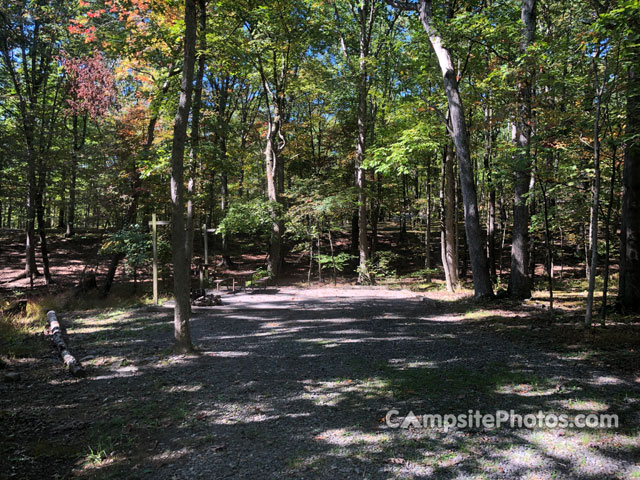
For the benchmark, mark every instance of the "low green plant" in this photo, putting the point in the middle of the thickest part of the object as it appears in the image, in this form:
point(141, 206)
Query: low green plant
point(383, 263)
point(339, 261)
point(252, 218)
point(99, 454)
point(259, 274)
point(424, 274)
point(136, 246)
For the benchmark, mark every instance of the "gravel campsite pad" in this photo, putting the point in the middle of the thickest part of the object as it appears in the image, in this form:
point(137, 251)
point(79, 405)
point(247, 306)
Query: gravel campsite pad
point(295, 383)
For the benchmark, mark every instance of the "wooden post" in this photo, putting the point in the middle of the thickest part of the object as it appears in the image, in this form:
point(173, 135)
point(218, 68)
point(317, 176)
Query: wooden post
point(206, 244)
point(154, 228)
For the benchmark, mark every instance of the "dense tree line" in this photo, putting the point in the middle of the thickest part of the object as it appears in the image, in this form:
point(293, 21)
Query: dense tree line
point(490, 122)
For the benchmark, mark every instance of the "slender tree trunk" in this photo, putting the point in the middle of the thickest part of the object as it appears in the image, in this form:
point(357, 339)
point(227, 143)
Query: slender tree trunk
point(30, 253)
point(532, 237)
point(595, 206)
point(42, 227)
point(181, 280)
point(491, 210)
point(629, 290)
point(333, 259)
point(519, 281)
point(549, 248)
point(450, 248)
point(403, 216)
point(375, 214)
point(194, 151)
point(475, 235)
point(71, 213)
point(319, 262)
point(63, 203)
point(607, 234)
point(364, 277)
point(225, 260)
point(427, 233)
point(447, 221)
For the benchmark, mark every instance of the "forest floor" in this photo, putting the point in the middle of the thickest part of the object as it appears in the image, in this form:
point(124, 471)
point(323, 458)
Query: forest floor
point(295, 383)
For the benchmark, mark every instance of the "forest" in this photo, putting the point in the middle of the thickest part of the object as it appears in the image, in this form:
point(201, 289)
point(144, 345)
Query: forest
point(483, 155)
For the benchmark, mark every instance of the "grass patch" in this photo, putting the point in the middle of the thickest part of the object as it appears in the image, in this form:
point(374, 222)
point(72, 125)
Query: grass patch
point(18, 337)
point(19, 331)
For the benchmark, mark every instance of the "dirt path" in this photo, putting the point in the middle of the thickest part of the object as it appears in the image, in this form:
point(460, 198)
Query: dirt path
point(296, 383)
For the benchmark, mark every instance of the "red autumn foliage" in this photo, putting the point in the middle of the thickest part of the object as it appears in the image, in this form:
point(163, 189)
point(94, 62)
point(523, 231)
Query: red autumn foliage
point(90, 84)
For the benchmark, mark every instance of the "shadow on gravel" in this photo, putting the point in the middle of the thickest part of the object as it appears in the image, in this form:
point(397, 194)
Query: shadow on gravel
point(289, 386)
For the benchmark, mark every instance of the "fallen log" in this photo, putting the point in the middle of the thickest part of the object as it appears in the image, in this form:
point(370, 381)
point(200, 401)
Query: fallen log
point(56, 337)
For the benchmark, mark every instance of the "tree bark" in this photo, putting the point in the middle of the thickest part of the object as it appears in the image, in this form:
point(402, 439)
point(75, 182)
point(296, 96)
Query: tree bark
point(607, 233)
point(459, 133)
point(194, 150)
point(447, 232)
point(181, 280)
point(58, 341)
point(364, 277)
point(427, 232)
point(273, 159)
point(629, 289)
point(519, 281)
point(42, 228)
point(595, 189)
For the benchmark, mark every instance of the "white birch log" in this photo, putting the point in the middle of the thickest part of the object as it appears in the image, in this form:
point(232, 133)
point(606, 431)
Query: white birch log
point(56, 337)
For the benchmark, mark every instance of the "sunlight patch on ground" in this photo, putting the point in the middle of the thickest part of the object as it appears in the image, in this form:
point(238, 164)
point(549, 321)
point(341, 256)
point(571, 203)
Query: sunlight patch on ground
point(582, 451)
point(332, 393)
point(346, 437)
point(606, 380)
point(588, 405)
point(227, 354)
point(523, 457)
point(181, 388)
point(525, 390)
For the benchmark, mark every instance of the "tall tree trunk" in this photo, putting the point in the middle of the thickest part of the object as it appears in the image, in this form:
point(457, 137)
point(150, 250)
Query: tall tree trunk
point(375, 215)
point(403, 215)
point(30, 251)
point(71, 206)
point(549, 248)
point(225, 260)
point(63, 203)
point(607, 232)
point(194, 150)
point(364, 277)
point(595, 189)
point(519, 281)
point(489, 138)
point(475, 235)
point(629, 289)
point(427, 232)
point(273, 158)
point(448, 214)
point(181, 280)
point(42, 227)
